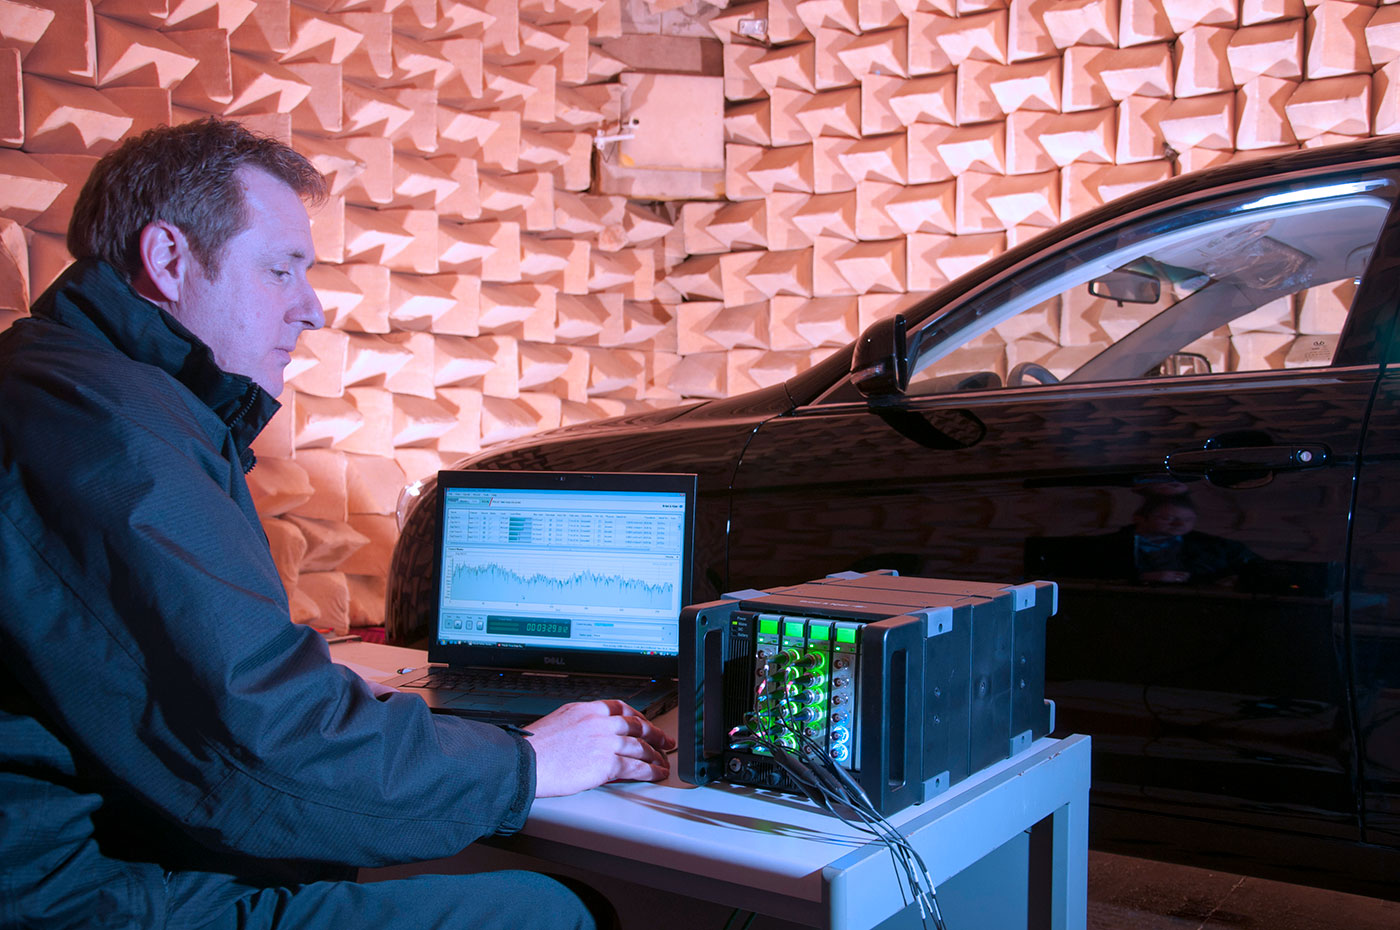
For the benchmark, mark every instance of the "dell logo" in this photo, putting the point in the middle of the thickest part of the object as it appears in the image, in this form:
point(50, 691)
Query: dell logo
point(553, 660)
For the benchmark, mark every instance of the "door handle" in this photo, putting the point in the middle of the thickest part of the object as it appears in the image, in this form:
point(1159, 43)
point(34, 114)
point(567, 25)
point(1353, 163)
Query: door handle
point(1217, 461)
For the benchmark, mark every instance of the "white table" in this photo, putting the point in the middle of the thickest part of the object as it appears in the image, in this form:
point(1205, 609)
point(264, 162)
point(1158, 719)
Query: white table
point(1007, 847)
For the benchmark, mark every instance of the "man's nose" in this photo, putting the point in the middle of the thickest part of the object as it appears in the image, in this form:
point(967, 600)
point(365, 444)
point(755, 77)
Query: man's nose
point(309, 309)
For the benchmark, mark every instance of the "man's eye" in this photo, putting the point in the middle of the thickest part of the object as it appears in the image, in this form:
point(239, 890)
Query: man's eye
point(281, 273)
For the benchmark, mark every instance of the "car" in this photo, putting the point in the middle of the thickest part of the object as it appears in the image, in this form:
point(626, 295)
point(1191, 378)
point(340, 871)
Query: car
point(1205, 457)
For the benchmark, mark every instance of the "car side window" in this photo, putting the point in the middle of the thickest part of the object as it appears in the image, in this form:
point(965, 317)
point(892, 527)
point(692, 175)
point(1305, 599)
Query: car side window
point(1249, 283)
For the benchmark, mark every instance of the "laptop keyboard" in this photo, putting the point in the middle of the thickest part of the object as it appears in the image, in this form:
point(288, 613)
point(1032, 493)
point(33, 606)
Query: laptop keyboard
point(487, 682)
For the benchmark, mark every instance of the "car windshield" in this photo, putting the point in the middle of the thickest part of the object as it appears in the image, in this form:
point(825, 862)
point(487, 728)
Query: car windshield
point(1192, 292)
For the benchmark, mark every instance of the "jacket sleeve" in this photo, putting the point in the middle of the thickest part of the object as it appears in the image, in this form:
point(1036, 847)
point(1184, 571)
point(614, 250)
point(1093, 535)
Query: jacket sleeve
point(144, 614)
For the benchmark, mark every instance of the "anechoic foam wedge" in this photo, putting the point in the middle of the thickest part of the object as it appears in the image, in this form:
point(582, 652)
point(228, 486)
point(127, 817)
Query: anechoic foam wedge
point(1187, 14)
point(921, 207)
point(464, 437)
point(830, 71)
point(935, 259)
point(1139, 129)
point(881, 52)
point(788, 273)
point(925, 55)
point(24, 24)
point(781, 231)
point(372, 357)
point(1203, 65)
point(740, 83)
point(829, 174)
point(371, 313)
point(986, 203)
point(131, 55)
point(873, 266)
point(1094, 76)
point(319, 360)
point(832, 113)
point(739, 225)
point(786, 168)
point(1262, 120)
point(1200, 122)
point(828, 215)
point(1267, 50)
point(1339, 105)
point(323, 421)
point(925, 100)
point(749, 122)
point(1082, 22)
point(878, 158)
point(830, 14)
point(72, 171)
point(939, 153)
point(14, 267)
point(1336, 42)
point(458, 359)
point(278, 485)
point(784, 127)
point(1386, 95)
point(68, 53)
point(1143, 21)
point(420, 420)
point(1084, 187)
point(415, 377)
point(595, 319)
point(699, 375)
point(61, 117)
point(792, 67)
point(981, 36)
point(329, 542)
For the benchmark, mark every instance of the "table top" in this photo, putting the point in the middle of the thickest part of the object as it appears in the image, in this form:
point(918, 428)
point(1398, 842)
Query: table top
point(772, 842)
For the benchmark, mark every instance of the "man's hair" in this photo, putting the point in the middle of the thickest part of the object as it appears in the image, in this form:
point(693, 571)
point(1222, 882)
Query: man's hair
point(187, 176)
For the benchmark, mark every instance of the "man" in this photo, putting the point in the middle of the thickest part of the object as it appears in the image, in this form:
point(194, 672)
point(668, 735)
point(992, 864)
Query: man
point(173, 750)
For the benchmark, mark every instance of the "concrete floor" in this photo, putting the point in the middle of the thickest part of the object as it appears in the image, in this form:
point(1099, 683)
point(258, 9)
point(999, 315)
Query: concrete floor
point(1125, 893)
point(1139, 894)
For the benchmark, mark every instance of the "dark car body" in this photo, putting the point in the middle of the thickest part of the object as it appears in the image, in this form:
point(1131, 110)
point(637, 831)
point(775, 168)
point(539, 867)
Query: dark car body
point(1245, 703)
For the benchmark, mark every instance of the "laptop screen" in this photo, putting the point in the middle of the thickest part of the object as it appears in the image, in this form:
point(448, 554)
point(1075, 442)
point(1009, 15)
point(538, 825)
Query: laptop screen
point(556, 568)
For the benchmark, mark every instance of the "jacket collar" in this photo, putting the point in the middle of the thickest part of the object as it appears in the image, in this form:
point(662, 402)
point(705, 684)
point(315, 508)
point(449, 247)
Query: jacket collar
point(93, 297)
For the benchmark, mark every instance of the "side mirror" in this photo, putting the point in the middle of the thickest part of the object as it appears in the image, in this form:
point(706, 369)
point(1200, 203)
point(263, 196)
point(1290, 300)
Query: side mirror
point(880, 363)
point(1127, 287)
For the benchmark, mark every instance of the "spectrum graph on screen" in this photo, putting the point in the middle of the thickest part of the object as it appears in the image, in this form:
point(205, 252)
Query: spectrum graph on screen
point(582, 587)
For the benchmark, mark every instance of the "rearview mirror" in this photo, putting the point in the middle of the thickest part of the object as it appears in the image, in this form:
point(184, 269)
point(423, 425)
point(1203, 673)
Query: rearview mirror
point(1127, 287)
point(1182, 363)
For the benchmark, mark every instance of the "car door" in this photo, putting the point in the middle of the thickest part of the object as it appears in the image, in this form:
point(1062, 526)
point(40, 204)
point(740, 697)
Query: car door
point(1164, 415)
point(1374, 594)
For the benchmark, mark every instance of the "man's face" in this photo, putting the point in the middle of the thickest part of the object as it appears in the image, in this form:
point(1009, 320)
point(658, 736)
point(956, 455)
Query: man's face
point(1168, 520)
point(251, 313)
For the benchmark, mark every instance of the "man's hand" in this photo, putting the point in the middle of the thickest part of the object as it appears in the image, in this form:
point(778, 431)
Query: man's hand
point(580, 746)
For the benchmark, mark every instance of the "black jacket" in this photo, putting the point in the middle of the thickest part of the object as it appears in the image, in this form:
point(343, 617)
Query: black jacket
point(158, 710)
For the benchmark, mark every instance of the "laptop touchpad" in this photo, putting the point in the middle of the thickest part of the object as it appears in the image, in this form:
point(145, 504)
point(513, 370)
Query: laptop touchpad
point(517, 704)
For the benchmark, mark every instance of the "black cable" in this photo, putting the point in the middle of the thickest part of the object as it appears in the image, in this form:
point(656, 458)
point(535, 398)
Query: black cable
point(747, 920)
point(825, 779)
point(858, 801)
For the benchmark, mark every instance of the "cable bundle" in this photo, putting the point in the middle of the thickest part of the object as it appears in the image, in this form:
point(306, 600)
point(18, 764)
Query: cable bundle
point(828, 785)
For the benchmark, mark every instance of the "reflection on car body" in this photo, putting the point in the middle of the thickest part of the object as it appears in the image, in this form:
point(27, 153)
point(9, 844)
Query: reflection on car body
point(1229, 333)
point(1160, 546)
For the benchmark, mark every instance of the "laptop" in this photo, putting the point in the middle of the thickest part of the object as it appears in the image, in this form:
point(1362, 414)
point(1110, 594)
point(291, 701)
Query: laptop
point(552, 587)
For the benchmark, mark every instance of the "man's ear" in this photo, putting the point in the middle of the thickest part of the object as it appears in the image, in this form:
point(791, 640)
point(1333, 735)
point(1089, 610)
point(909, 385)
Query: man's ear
point(166, 262)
